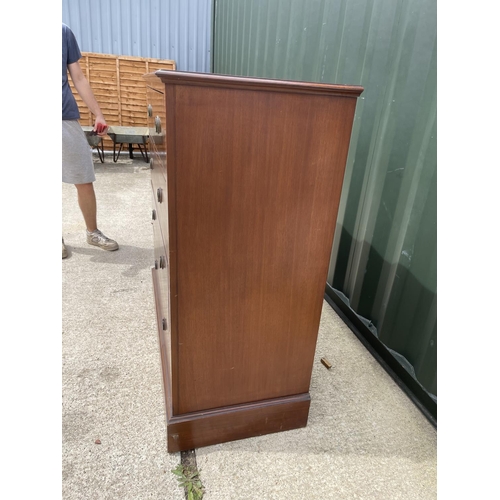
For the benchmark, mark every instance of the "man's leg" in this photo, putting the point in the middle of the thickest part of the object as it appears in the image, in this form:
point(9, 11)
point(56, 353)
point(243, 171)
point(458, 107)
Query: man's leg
point(88, 205)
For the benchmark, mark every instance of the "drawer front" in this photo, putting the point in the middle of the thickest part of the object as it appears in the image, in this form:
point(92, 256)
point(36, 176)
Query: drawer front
point(161, 278)
point(160, 204)
point(158, 166)
point(162, 268)
point(164, 328)
point(156, 119)
point(161, 257)
point(161, 247)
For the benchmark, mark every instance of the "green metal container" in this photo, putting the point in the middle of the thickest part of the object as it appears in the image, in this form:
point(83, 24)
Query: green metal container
point(383, 262)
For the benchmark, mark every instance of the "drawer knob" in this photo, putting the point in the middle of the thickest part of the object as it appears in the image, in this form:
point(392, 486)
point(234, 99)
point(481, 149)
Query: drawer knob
point(159, 194)
point(156, 264)
point(153, 214)
point(150, 110)
point(158, 125)
point(151, 163)
point(164, 323)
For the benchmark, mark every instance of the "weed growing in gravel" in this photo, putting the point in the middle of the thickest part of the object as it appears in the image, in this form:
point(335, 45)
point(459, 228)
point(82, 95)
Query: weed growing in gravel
point(189, 479)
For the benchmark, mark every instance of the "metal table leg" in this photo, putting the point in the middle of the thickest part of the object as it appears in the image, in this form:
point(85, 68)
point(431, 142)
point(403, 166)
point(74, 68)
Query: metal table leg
point(115, 157)
point(100, 151)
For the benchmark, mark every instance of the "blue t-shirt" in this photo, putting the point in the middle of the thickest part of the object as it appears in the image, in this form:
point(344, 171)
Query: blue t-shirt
point(70, 54)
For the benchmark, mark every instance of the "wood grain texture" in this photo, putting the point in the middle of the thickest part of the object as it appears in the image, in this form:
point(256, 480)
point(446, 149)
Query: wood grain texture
point(254, 172)
point(230, 424)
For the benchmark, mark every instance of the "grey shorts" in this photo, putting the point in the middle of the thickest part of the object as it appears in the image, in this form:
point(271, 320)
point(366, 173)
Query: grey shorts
point(77, 162)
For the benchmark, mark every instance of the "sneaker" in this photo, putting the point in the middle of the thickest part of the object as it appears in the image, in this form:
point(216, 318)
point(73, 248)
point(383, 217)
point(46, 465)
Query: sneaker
point(64, 250)
point(100, 240)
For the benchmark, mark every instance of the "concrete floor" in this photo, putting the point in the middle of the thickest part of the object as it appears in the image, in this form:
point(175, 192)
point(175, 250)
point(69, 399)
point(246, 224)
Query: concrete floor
point(364, 440)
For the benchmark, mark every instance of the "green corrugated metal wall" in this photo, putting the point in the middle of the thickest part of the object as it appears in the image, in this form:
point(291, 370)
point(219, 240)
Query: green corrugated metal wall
point(384, 254)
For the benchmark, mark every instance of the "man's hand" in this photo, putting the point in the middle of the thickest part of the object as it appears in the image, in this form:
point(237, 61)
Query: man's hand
point(100, 126)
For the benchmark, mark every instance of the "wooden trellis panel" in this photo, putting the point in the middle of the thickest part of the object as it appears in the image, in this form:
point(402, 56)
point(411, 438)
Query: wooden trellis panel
point(119, 87)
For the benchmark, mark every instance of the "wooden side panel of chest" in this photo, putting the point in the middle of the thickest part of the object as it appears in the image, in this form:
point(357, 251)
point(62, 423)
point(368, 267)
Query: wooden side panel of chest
point(250, 172)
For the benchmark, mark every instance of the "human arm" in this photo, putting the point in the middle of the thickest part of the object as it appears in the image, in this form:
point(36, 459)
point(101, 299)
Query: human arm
point(85, 91)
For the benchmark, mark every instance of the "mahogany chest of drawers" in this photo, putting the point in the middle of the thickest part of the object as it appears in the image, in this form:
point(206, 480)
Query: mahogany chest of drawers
point(246, 176)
